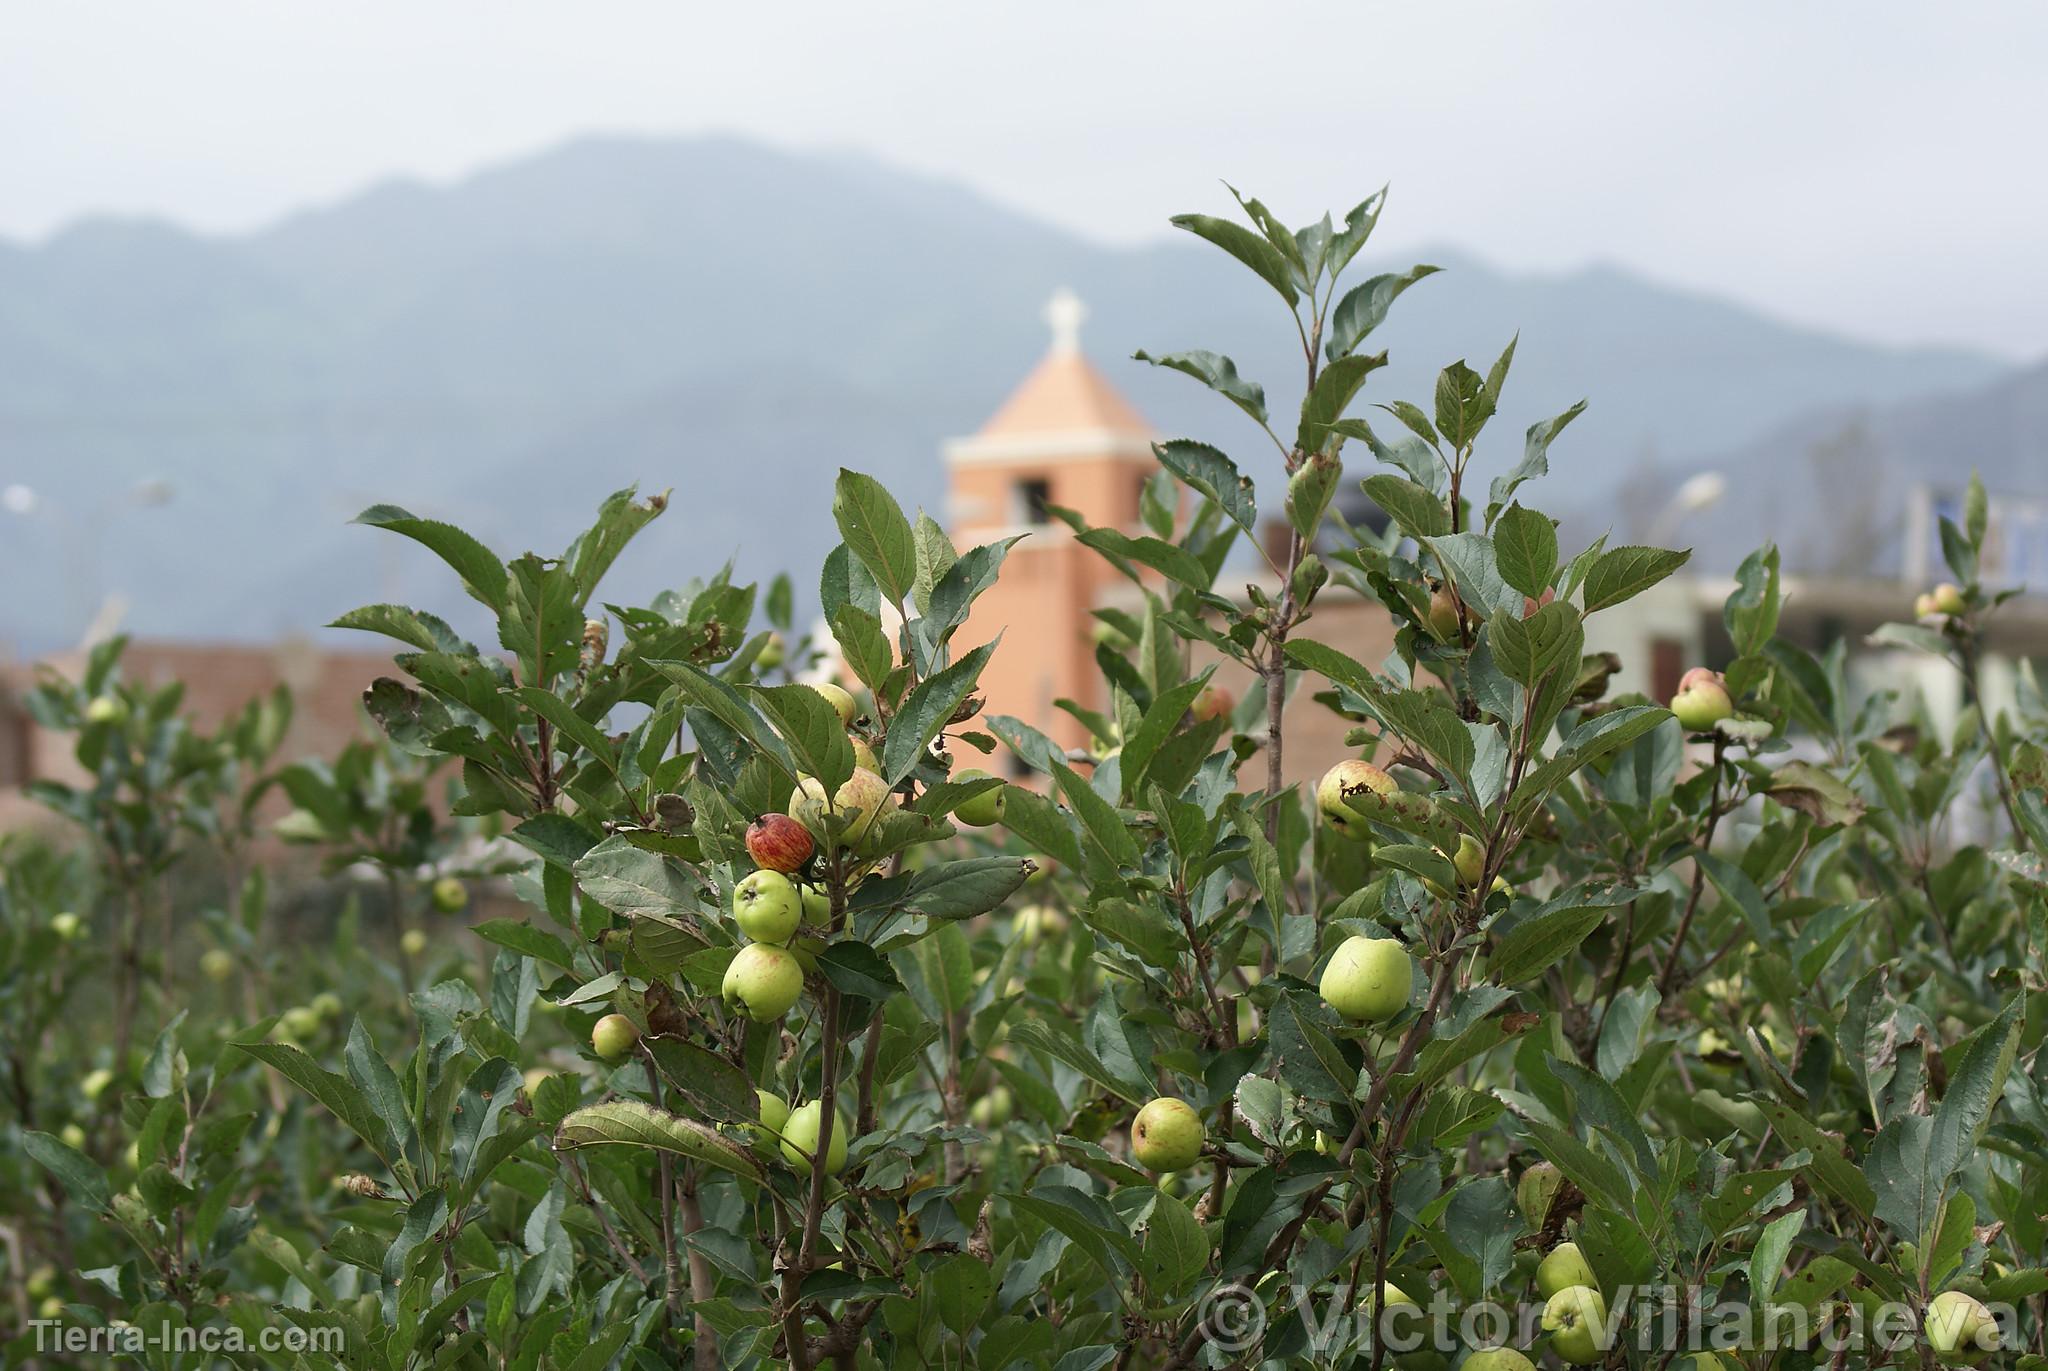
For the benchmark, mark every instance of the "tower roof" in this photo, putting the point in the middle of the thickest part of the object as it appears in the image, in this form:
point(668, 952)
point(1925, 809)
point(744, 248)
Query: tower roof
point(1064, 394)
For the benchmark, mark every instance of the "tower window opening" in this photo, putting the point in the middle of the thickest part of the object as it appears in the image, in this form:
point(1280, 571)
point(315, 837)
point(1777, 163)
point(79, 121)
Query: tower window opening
point(1034, 501)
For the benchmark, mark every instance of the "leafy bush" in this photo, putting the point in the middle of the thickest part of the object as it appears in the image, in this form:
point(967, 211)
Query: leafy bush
point(1540, 997)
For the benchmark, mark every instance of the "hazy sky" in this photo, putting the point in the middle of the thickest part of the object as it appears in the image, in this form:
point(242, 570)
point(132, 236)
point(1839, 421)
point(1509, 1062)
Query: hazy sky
point(1872, 167)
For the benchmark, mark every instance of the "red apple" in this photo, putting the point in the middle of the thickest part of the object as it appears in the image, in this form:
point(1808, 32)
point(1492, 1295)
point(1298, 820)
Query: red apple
point(1213, 703)
point(777, 842)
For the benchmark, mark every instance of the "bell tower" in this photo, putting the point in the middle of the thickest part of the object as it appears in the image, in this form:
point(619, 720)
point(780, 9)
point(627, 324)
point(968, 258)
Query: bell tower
point(1063, 437)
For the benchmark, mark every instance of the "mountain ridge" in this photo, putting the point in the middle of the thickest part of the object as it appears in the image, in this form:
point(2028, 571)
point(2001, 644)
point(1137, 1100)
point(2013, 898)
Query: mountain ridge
point(724, 317)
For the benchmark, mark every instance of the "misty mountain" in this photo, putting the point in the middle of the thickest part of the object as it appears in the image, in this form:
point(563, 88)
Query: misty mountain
point(1833, 487)
point(727, 319)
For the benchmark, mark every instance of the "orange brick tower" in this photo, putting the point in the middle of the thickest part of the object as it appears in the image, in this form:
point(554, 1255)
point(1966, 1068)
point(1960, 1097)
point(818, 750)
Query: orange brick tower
point(1064, 437)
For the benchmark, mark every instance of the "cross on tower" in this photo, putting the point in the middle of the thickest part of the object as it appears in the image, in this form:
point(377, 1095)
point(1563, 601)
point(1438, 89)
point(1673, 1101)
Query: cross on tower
point(1064, 315)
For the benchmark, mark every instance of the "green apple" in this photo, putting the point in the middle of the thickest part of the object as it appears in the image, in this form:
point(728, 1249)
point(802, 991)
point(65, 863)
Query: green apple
point(95, 1082)
point(980, 811)
point(1959, 1327)
point(772, 653)
point(1576, 1319)
point(1562, 1268)
point(72, 1136)
point(1037, 921)
point(216, 964)
point(105, 709)
point(1947, 599)
point(862, 802)
point(1498, 1359)
point(1350, 777)
point(532, 1078)
point(327, 1004)
point(1923, 607)
point(863, 755)
point(1535, 1190)
point(1166, 1135)
point(1443, 614)
point(774, 1117)
point(1702, 700)
point(451, 896)
point(613, 1036)
point(841, 702)
point(767, 907)
point(1390, 1295)
point(1470, 861)
point(66, 925)
point(412, 942)
point(301, 1021)
point(763, 981)
point(800, 1138)
point(1368, 980)
point(992, 1110)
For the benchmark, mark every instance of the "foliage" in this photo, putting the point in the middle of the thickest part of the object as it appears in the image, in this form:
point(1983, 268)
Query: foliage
point(1776, 1033)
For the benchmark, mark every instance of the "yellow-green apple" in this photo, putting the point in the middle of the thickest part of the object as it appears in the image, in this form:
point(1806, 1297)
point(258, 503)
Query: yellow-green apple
point(1443, 613)
point(450, 895)
point(766, 906)
point(105, 709)
point(1702, 700)
point(983, 809)
point(1368, 980)
point(613, 1036)
point(1959, 1327)
point(863, 755)
point(1343, 781)
point(1037, 921)
point(800, 1138)
point(66, 924)
point(777, 842)
point(840, 701)
point(1166, 1135)
point(412, 942)
point(772, 652)
point(763, 981)
point(992, 1110)
point(1562, 1268)
point(774, 1116)
point(1470, 861)
point(217, 964)
point(1576, 1319)
point(861, 801)
point(1947, 599)
point(1498, 1359)
point(1390, 1295)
